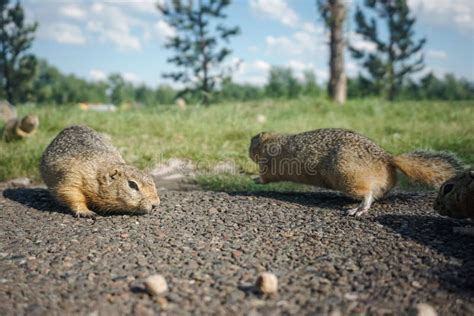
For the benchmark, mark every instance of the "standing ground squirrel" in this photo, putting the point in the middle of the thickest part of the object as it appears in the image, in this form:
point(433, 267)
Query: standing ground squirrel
point(345, 161)
point(84, 171)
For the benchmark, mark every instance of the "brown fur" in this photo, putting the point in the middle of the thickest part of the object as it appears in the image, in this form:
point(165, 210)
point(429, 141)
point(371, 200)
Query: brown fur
point(345, 161)
point(431, 168)
point(85, 172)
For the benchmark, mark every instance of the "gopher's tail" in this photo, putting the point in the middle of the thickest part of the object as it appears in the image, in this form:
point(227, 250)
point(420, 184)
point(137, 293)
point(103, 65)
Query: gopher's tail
point(428, 167)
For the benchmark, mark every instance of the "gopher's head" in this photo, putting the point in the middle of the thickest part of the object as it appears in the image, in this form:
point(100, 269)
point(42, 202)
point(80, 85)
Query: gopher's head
point(29, 123)
point(126, 188)
point(456, 196)
point(256, 145)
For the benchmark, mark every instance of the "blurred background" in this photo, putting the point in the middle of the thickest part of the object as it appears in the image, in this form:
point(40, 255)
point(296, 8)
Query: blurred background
point(194, 80)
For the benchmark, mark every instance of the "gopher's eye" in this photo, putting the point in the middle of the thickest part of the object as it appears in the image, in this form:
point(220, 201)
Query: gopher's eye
point(448, 187)
point(133, 185)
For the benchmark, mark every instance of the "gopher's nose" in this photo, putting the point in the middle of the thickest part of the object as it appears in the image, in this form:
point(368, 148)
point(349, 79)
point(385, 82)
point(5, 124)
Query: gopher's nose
point(155, 205)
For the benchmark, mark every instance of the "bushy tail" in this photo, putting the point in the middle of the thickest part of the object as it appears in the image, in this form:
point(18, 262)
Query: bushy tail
point(428, 167)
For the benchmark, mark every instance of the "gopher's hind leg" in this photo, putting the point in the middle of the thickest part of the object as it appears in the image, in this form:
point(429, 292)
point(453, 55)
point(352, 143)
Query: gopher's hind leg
point(76, 201)
point(363, 207)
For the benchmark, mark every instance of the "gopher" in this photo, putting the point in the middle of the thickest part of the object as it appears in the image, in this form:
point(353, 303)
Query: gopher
point(16, 128)
point(456, 199)
point(85, 172)
point(456, 196)
point(345, 161)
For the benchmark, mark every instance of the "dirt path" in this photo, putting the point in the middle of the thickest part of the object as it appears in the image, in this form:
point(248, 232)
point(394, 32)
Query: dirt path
point(210, 247)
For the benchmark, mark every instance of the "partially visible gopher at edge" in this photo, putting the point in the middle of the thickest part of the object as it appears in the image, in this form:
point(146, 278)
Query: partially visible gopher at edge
point(16, 128)
point(85, 172)
point(456, 196)
point(345, 161)
point(456, 199)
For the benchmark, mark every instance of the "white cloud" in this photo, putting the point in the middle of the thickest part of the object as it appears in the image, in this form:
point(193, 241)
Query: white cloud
point(72, 11)
point(63, 33)
point(322, 76)
point(164, 30)
point(437, 54)
point(298, 44)
point(275, 9)
point(131, 77)
point(281, 42)
point(357, 41)
point(112, 24)
point(100, 75)
point(121, 37)
point(255, 72)
point(299, 68)
point(352, 68)
point(140, 6)
point(312, 28)
point(124, 24)
point(439, 72)
point(261, 65)
point(97, 75)
point(445, 12)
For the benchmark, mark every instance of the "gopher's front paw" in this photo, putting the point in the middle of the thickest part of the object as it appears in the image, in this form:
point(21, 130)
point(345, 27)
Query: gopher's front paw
point(85, 214)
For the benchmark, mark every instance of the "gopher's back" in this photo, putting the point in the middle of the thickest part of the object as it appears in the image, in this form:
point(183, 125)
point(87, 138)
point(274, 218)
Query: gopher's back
point(329, 143)
point(76, 150)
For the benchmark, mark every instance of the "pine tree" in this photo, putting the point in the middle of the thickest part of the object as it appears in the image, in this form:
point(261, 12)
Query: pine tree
point(397, 57)
point(198, 45)
point(333, 13)
point(17, 67)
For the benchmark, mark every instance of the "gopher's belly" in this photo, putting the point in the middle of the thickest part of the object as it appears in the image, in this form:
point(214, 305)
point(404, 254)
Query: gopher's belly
point(304, 172)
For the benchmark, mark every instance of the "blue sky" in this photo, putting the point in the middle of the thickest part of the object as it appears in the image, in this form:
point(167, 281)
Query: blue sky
point(94, 38)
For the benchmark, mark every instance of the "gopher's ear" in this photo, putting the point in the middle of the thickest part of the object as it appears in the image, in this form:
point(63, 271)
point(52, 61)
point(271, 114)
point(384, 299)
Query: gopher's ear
point(263, 136)
point(107, 176)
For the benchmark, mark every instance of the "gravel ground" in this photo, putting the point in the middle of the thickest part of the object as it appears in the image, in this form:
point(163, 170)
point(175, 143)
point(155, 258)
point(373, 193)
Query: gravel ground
point(211, 246)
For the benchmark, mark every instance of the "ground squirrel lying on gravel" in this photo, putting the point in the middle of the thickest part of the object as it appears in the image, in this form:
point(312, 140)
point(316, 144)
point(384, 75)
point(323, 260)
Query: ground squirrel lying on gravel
point(84, 171)
point(343, 160)
point(20, 128)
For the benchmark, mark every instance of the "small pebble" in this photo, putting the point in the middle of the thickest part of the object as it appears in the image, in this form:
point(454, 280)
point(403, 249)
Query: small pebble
point(351, 296)
point(156, 285)
point(267, 283)
point(425, 310)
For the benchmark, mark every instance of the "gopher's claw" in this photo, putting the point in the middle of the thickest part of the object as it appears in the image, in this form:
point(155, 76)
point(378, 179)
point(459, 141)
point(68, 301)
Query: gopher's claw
point(358, 211)
point(86, 214)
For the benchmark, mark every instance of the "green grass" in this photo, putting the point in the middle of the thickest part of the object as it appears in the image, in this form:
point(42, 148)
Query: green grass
point(222, 132)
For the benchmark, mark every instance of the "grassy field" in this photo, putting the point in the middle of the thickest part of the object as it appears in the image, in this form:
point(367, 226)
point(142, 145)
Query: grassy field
point(208, 135)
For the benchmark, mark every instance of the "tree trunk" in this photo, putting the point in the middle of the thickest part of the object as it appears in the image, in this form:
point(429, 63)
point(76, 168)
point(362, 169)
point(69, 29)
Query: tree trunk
point(203, 51)
point(338, 81)
point(6, 74)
